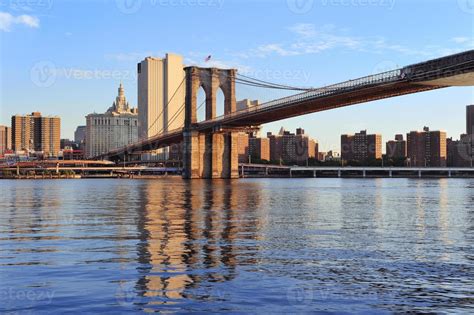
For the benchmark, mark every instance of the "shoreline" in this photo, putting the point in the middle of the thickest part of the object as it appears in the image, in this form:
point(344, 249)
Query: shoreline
point(78, 177)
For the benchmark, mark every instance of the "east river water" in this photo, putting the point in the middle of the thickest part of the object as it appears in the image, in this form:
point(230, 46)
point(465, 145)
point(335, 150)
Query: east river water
point(242, 246)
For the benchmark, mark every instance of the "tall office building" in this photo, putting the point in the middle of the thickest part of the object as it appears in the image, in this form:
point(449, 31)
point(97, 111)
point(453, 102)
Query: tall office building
point(161, 94)
point(5, 139)
point(35, 133)
point(427, 148)
point(361, 147)
point(115, 128)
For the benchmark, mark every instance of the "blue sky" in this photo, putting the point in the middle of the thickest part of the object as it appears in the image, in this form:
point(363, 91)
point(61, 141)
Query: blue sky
point(90, 46)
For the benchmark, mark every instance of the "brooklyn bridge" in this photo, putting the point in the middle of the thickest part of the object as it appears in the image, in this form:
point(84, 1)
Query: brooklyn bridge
point(210, 146)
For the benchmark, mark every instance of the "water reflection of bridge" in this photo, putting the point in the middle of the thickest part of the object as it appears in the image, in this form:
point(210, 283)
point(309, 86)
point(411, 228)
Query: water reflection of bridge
point(197, 227)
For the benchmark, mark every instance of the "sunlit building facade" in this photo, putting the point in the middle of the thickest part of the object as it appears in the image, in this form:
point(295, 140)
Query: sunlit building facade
point(36, 133)
point(115, 128)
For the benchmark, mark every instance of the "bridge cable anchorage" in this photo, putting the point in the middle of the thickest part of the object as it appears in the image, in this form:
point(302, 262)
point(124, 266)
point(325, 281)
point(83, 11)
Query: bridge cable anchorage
point(163, 109)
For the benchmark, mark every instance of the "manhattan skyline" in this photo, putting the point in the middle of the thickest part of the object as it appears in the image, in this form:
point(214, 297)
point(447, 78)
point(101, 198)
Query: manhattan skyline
point(308, 46)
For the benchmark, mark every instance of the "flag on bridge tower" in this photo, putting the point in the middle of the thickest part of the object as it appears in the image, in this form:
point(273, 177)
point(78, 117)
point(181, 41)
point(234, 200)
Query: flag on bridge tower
point(208, 58)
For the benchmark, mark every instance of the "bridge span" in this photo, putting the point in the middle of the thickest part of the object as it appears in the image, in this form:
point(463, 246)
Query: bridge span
point(208, 145)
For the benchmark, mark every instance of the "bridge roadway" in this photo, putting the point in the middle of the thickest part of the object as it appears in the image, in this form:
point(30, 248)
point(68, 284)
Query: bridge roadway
point(454, 70)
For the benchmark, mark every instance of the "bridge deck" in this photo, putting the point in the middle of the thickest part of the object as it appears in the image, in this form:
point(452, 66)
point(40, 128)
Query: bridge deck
point(456, 69)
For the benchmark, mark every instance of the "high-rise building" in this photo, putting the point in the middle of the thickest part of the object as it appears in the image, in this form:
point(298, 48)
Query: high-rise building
point(5, 139)
point(243, 147)
point(291, 148)
point(427, 148)
point(259, 149)
point(470, 120)
point(361, 147)
point(35, 133)
point(470, 128)
point(458, 152)
point(80, 134)
point(115, 128)
point(396, 149)
point(161, 93)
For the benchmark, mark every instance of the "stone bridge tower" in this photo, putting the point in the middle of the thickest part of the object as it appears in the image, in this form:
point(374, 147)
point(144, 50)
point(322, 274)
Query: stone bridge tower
point(209, 154)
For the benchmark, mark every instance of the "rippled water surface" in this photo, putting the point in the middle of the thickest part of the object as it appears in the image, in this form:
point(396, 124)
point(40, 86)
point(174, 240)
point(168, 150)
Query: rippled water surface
point(245, 246)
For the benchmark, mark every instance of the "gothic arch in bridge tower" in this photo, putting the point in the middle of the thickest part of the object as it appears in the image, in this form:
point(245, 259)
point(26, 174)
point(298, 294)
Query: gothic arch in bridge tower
point(211, 154)
point(211, 80)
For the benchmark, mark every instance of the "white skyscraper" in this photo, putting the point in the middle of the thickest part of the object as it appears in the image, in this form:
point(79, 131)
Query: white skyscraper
point(161, 93)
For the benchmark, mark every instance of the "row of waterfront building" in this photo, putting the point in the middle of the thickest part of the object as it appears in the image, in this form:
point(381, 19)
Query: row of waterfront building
point(119, 124)
point(424, 148)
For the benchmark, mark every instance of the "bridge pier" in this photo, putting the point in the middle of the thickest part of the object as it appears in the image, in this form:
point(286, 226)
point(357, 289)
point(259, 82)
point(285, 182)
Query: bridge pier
point(211, 153)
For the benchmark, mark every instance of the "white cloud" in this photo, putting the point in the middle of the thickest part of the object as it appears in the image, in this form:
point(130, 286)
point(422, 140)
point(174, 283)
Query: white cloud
point(7, 21)
point(461, 40)
point(309, 39)
point(304, 29)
